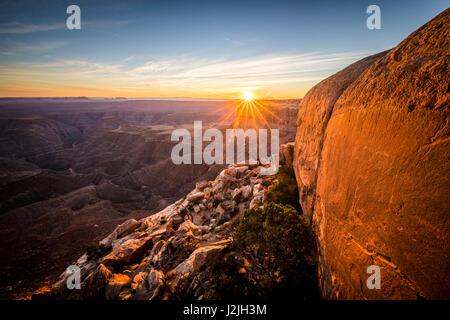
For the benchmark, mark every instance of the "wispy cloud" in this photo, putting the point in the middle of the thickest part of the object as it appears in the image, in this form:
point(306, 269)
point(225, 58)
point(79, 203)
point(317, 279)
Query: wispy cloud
point(14, 47)
point(16, 27)
point(130, 58)
point(59, 69)
point(158, 67)
point(219, 76)
point(284, 65)
point(257, 71)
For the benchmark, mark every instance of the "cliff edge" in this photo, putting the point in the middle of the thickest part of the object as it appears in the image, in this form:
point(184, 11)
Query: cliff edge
point(372, 165)
point(168, 255)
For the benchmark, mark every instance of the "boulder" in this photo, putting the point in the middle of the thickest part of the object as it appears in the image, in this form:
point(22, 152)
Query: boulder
point(140, 277)
point(256, 201)
point(241, 194)
point(201, 185)
point(240, 171)
point(121, 231)
point(130, 251)
point(200, 257)
point(189, 227)
point(148, 284)
point(257, 187)
point(228, 205)
point(217, 187)
point(127, 227)
point(117, 284)
point(118, 242)
point(194, 196)
point(231, 171)
point(93, 287)
point(371, 162)
point(175, 221)
point(220, 209)
point(155, 254)
point(287, 154)
point(223, 217)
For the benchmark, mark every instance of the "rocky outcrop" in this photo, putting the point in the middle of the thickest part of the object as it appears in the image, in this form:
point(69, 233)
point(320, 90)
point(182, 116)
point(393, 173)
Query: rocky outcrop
point(71, 170)
point(371, 161)
point(161, 255)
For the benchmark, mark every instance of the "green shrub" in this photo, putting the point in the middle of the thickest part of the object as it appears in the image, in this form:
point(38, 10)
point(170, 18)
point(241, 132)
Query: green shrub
point(285, 190)
point(276, 257)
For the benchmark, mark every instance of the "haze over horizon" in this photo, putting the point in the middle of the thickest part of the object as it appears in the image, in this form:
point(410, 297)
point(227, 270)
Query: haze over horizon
point(196, 49)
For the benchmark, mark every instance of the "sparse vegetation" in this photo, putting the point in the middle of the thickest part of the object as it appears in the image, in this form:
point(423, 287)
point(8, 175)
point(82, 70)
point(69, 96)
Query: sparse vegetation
point(275, 257)
point(285, 189)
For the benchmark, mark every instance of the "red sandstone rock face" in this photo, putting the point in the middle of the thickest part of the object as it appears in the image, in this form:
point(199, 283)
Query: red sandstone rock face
point(372, 164)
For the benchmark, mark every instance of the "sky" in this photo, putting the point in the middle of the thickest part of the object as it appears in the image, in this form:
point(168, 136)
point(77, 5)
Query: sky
point(199, 49)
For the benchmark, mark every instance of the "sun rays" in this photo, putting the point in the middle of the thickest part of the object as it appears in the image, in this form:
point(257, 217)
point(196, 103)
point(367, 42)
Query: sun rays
point(249, 112)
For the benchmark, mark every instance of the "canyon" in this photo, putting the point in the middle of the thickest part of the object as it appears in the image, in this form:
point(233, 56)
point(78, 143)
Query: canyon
point(169, 254)
point(371, 162)
point(72, 169)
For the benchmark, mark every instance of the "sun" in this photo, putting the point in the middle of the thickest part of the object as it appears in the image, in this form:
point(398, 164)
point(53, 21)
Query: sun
point(248, 96)
point(249, 112)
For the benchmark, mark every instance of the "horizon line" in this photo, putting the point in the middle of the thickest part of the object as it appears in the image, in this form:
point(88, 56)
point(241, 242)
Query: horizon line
point(143, 98)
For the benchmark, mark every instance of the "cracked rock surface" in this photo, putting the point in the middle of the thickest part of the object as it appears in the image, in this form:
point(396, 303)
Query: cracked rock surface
point(371, 162)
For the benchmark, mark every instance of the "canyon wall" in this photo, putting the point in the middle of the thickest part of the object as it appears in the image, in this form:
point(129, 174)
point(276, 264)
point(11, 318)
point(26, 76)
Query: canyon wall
point(372, 165)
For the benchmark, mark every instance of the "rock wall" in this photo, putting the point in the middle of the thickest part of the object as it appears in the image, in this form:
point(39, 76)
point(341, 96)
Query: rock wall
point(372, 165)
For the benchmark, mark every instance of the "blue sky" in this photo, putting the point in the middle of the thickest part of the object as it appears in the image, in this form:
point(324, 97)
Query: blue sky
point(192, 48)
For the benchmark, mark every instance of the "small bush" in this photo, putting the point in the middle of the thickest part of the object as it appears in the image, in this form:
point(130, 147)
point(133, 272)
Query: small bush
point(285, 190)
point(276, 257)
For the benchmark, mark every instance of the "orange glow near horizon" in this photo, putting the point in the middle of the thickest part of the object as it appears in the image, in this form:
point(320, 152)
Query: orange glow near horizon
point(48, 88)
point(10, 90)
point(249, 112)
